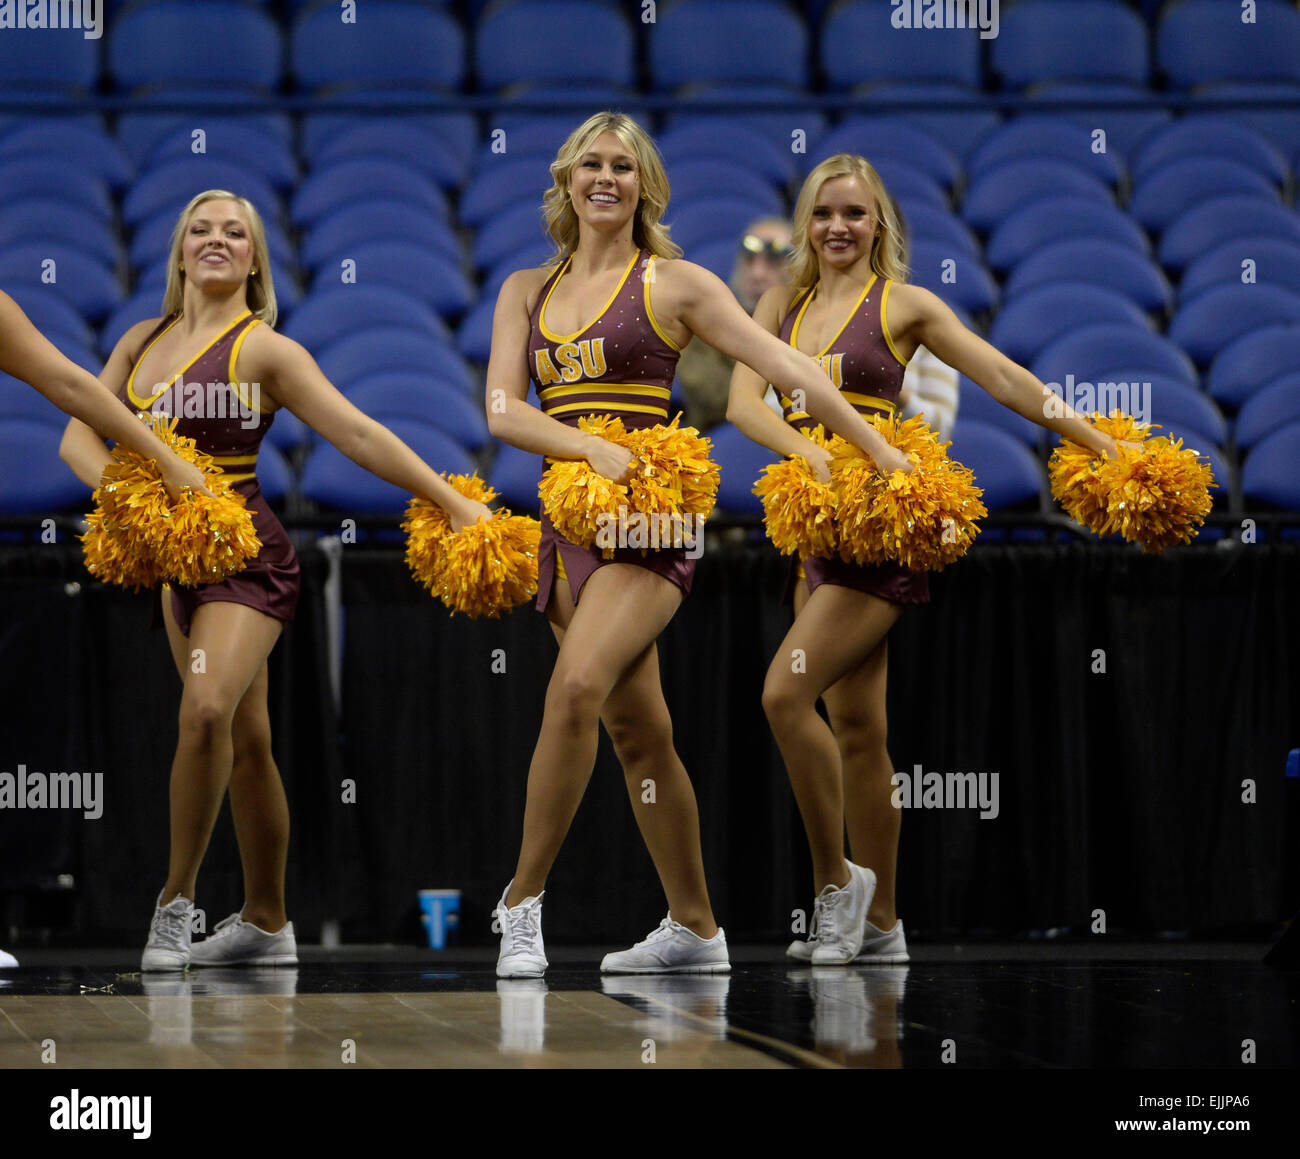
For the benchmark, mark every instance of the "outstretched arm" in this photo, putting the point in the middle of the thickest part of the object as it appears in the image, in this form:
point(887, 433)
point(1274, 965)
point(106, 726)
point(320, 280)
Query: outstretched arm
point(290, 376)
point(705, 305)
point(510, 416)
point(923, 319)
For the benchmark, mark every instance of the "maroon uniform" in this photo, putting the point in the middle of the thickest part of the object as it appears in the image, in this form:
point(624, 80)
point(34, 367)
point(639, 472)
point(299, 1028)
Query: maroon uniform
point(862, 362)
point(621, 364)
point(227, 420)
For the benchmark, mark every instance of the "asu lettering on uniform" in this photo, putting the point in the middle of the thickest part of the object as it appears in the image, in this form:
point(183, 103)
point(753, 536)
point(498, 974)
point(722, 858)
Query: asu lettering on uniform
point(576, 360)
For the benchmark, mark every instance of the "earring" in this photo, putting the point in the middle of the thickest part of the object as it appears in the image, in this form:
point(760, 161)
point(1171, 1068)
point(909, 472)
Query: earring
point(252, 273)
point(182, 267)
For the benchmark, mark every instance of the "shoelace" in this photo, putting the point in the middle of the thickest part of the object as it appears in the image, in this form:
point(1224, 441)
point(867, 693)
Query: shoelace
point(830, 903)
point(666, 929)
point(170, 926)
point(523, 927)
point(225, 927)
point(814, 930)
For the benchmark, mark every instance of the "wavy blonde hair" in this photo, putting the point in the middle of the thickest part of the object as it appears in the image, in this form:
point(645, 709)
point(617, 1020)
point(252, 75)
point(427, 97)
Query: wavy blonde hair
point(887, 253)
point(260, 288)
point(557, 209)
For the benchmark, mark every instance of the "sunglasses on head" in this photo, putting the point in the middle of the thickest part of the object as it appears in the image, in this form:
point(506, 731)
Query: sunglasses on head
point(751, 243)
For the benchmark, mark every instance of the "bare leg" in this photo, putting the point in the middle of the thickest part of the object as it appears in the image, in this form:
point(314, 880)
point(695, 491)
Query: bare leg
point(227, 646)
point(833, 630)
point(623, 610)
point(636, 717)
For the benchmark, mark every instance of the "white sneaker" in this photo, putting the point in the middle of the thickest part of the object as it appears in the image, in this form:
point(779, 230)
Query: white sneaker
point(671, 949)
point(235, 942)
point(884, 947)
point(7, 961)
point(523, 954)
point(844, 918)
point(803, 951)
point(168, 947)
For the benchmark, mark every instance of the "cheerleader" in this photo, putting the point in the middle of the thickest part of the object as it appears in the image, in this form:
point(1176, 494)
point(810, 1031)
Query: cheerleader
point(26, 354)
point(217, 331)
point(598, 331)
point(848, 305)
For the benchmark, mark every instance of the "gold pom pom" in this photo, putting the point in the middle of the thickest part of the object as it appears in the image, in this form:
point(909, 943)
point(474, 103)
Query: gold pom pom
point(138, 538)
point(923, 519)
point(672, 477)
point(1155, 494)
point(798, 508)
point(483, 569)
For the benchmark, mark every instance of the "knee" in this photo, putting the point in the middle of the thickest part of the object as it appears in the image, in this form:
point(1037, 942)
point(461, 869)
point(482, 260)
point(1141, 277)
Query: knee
point(642, 738)
point(204, 717)
point(861, 735)
point(782, 699)
point(574, 697)
point(252, 747)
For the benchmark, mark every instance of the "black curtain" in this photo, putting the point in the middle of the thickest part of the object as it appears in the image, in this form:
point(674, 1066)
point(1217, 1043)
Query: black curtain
point(1119, 790)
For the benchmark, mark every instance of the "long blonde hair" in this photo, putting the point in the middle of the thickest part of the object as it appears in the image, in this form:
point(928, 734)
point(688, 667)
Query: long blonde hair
point(260, 288)
point(887, 254)
point(557, 209)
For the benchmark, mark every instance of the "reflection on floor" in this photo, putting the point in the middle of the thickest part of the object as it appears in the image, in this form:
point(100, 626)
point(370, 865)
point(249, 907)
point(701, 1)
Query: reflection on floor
point(975, 1006)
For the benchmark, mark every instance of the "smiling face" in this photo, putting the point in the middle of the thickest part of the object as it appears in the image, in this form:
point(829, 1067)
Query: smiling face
point(217, 247)
point(843, 224)
point(605, 184)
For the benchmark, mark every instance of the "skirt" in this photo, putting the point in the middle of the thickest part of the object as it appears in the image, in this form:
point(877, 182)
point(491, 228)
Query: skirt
point(889, 581)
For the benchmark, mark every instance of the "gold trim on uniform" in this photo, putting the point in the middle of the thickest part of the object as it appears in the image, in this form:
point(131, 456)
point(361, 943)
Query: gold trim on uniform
point(794, 330)
point(647, 389)
point(234, 375)
point(541, 314)
point(597, 407)
point(130, 380)
point(649, 310)
point(884, 325)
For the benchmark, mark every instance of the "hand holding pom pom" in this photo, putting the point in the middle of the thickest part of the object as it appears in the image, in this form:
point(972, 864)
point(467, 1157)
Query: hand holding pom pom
point(1153, 491)
point(798, 508)
point(483, 569)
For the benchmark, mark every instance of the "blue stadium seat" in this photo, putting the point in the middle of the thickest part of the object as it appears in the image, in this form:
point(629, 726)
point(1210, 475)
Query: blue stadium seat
point(1220, 219)
point(1041, 223)
point(769, 109)
point(380, 219)
point(715, 41)
point(139, 307)
point(910, 187)
point(971, 286)
point(34, 480)
point(717, 257)
point(441, 163)
point(529, 257)
point(48, 219)
point(82, 281)
point(1098, 40)
point(1007, 471)
point(1258, 105)
point(340, 184)
point(145, 130)
point(507, 184)
point(706, 179)
point(502, 239)
point(1106, 105)
point(715, 219)
point(975, 403)
point(1277, 263)
point(151, 240)
point(535, 40)
point(1101, 263)
point(1096, 347)
point(1269, 474)
point(995, 193)
point(1199, 42)
point(573, 99)
point(52, 69)
point(891, 137)
point(953, 117)
point(740, 463)
point(1253, 361)
point(19, 401)
point(1209, 135)
point(474, 335)
point(287, 294)
point(926, 223)
point(1026, 326)
point(288, 432)
point(156, 44)
point(859, 43)
point(1268, 409)
point(244, 146)
point(273, 473)
point(1214, 319)
point(21, 177)
point(526, 137)
point(457, 132)
point(332, 480)
point(91, 150)
point(1174, 404)
point(382, 349)
point(729, 141)
point(1046, 138)
point(1164, 194)
point(426, 274)
point(332, 315)
point(515, 474)
point(386, 396)
point(169, 188)
point(392, 43)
